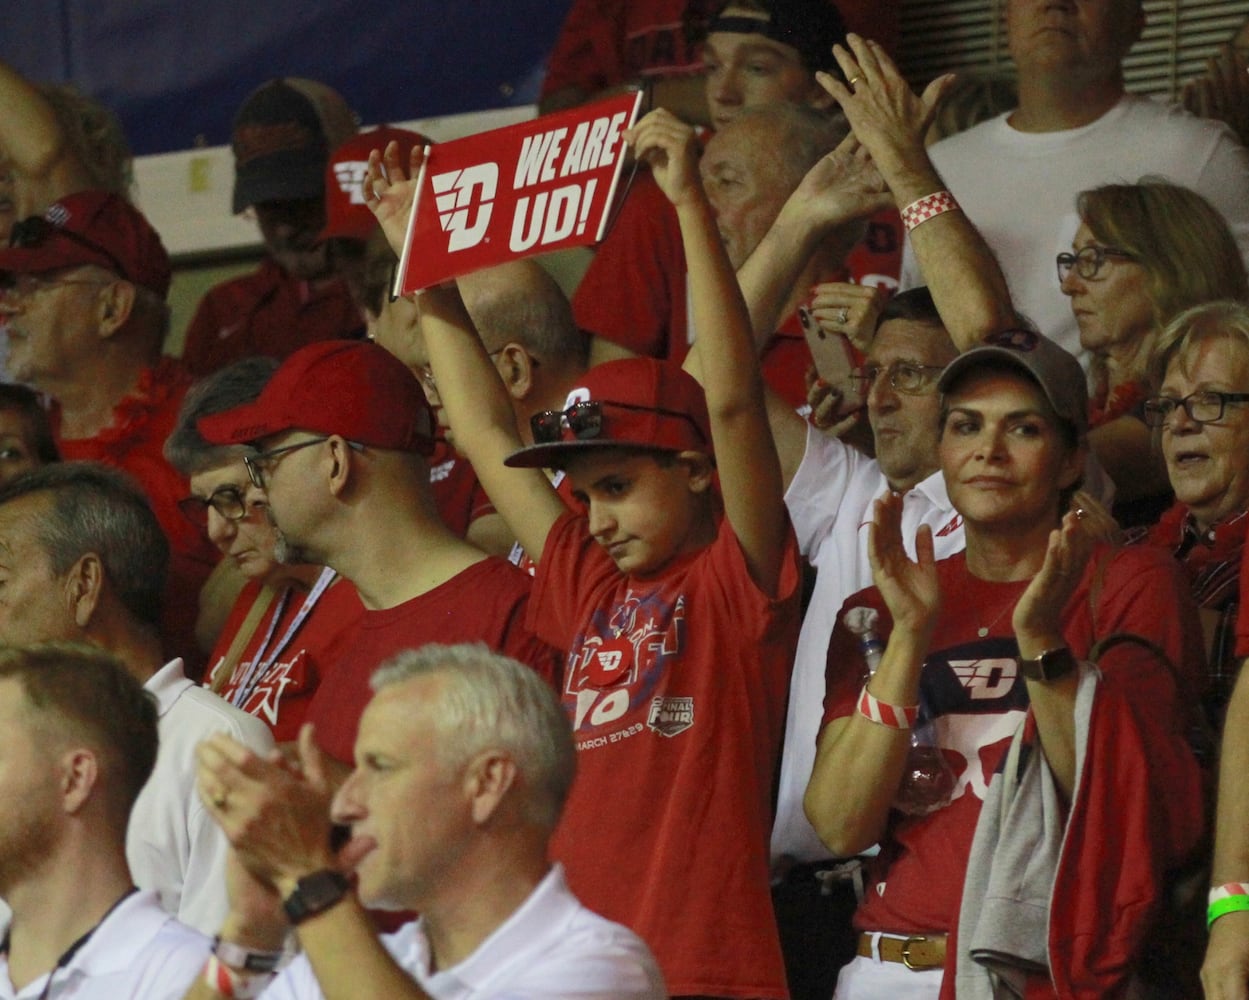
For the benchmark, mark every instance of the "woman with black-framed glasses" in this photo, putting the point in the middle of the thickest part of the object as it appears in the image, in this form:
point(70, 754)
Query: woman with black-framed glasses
point(1143, 253)
point(273, 644)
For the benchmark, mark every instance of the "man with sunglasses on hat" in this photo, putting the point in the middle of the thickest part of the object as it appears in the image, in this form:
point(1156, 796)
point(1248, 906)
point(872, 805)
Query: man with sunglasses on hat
point(675, 591)
point(82, 302)
point(343, 433)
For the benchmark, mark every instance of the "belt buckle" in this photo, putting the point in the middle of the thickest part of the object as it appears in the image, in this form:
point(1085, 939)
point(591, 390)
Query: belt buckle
point(906, 952)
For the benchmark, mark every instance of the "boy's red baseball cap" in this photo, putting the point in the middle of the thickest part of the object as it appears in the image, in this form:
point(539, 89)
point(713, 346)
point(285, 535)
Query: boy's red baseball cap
point(351, 388)
point(645, 403)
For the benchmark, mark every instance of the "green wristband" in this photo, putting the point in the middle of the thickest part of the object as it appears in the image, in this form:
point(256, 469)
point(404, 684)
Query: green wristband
point(1225, 906)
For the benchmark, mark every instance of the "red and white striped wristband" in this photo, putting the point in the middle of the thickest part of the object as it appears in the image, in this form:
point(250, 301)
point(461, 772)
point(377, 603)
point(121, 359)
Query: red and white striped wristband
point(928, 207)
point(234, 983)
point(1227, 890)
point(884, 714)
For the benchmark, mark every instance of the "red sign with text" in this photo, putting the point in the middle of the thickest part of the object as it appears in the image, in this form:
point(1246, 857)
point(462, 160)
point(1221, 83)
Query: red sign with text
point(530, 188)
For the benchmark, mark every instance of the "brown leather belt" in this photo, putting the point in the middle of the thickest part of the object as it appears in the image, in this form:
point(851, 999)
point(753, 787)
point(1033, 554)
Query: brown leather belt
point(918, 952)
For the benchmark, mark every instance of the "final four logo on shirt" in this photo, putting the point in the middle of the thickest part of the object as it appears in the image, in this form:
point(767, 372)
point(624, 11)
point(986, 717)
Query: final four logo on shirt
point(670, 716)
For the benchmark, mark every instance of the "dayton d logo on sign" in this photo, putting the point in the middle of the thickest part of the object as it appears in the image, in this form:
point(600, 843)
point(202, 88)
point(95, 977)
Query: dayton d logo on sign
point(530, 188)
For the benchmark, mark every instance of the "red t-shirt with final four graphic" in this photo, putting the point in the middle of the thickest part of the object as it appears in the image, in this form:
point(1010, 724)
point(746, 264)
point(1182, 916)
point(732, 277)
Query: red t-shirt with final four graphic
point(676, 688)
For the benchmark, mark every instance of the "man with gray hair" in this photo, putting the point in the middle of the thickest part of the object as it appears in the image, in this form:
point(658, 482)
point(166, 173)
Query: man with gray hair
point(463, 761)
point(82, 559)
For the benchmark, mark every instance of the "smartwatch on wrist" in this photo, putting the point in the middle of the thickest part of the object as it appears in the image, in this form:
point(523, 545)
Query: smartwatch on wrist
point(315, 894)
point(1049, 666)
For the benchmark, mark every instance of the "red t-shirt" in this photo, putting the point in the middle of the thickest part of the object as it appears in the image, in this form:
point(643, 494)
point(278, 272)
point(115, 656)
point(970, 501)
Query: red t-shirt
point(134, 443)
point(634, 291)
point(970, 686)
point(484, 603)
point(676, 687)
point(282, 694)
point(458, 494)
point(266, 313)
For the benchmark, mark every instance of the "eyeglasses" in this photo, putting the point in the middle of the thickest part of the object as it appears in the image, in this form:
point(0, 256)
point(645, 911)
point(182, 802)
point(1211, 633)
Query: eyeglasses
point(23, 286)
point(1205, 407)
point(260, 465)
point(1088, 261)
point(35, 231)
point(907, 377)
point(227, 501)
point(586, 420)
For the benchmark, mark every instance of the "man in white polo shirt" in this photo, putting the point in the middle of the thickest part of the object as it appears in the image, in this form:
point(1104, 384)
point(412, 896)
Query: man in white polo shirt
point(463, 762)
point(77, 742)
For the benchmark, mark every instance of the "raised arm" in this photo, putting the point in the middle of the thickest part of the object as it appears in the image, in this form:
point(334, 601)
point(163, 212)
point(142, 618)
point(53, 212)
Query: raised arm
point(959, 269)
point(750, 474)
point(1225, 972)
point(474, 396)
point(843, 187)
point(277, 818)
point(860, 763)
point(31, 139)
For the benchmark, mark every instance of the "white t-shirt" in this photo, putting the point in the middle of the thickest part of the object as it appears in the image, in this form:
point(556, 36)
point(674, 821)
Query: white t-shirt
point(1020, 189)
point(552, 947)
point(830, 505)
point(172, 844)
point(138, 952)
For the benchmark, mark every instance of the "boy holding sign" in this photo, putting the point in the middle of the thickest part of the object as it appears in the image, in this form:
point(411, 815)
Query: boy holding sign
point(677, 602)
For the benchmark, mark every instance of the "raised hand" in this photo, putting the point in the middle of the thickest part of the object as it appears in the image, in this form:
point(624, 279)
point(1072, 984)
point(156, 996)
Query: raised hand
point(670, 147)
point(909, 586)
point(275, 814)
point(886, 116)
point(1037, 619)
point(849, 309)
point(390, 189)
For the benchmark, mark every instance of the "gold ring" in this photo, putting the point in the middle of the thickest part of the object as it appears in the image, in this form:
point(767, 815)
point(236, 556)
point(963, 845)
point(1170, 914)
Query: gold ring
point(853, 80)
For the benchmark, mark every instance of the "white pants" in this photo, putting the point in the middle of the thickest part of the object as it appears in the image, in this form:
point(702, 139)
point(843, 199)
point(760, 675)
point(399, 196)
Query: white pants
point(870, 979)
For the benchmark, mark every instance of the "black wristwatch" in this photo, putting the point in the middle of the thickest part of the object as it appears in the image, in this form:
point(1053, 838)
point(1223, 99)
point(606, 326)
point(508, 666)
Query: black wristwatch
point(1049, 666)
point(315, 894)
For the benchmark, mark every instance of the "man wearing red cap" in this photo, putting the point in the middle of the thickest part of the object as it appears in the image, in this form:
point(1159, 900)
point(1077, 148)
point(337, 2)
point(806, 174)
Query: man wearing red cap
point(83, 306)
point(283, 136)
point(344, 431)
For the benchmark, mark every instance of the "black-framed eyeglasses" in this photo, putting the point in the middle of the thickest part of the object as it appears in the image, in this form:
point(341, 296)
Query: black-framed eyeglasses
point(1204, 407)
point(909, 377)
point(1088, 261)
point(228, 501)
point(261, 464)
point(586, 420)
point(35, 231)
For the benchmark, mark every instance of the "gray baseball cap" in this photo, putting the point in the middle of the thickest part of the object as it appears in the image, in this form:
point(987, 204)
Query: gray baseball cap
point(1053, 368)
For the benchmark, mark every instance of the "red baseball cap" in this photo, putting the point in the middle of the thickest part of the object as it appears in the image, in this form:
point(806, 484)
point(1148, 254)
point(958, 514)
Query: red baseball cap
point(632, 403)
point(90, 227)
point(346, 214)
point(352, 388)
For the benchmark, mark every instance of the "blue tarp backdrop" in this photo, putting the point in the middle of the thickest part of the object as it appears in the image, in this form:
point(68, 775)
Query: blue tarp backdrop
point(176, 71)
